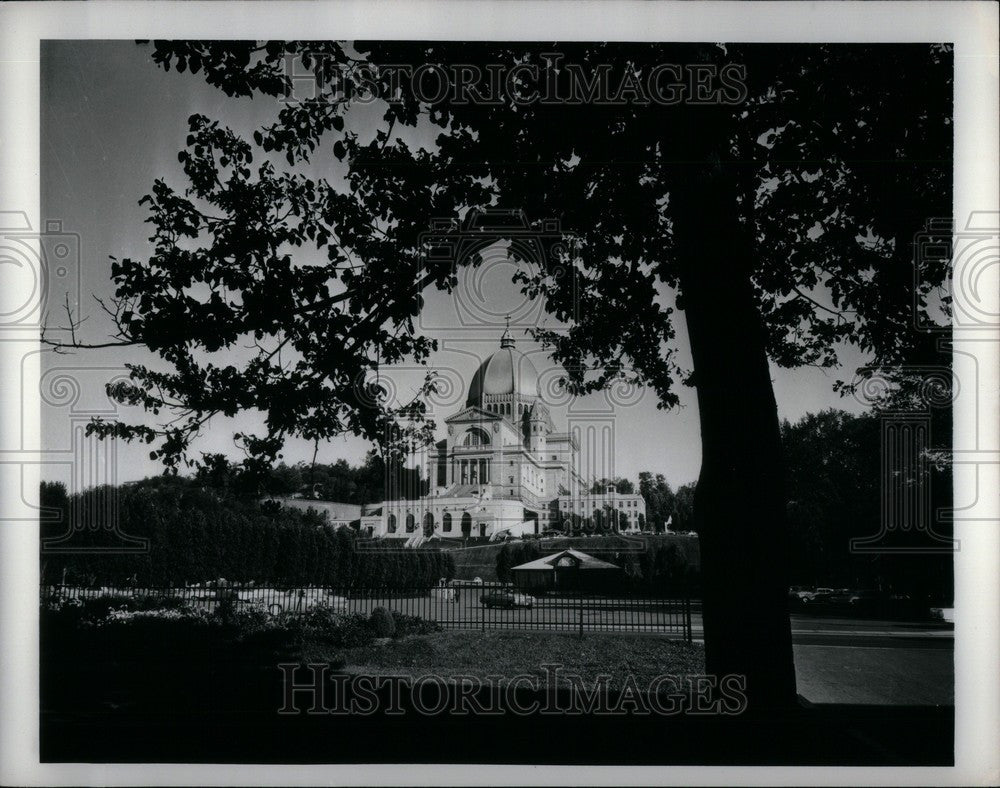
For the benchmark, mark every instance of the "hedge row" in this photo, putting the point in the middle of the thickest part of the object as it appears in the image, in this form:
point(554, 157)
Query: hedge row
point(194, 535)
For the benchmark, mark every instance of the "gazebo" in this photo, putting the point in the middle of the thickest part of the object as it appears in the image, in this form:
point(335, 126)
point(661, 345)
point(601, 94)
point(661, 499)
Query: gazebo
point(567, 570)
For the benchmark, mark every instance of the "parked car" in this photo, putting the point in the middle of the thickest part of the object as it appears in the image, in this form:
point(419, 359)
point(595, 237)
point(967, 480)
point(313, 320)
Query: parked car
point(839, 596)
point(800, 593)
point(864, 598)
point(819, 595)
point(505, 598)
point(456, 583)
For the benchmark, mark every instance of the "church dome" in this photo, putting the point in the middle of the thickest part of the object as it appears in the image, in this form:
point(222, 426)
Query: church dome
point(506, 372)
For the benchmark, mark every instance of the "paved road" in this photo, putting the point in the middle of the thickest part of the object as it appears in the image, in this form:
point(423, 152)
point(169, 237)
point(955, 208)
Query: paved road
point(862, 633)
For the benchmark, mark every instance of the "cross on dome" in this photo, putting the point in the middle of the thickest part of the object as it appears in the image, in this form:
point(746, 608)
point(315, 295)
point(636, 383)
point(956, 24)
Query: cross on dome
point(507, 340)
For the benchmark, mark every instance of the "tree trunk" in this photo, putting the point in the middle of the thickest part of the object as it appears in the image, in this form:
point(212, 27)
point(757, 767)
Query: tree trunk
point(739, 506)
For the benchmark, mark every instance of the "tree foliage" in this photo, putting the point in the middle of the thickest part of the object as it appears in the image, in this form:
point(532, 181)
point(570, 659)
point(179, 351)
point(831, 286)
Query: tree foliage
point(835, 488)
point(658, 497)
point(322, 276)
point(622, 486)
point(377, 479)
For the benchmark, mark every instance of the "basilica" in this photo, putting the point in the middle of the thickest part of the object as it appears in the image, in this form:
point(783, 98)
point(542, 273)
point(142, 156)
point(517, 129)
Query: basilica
point(503, 469)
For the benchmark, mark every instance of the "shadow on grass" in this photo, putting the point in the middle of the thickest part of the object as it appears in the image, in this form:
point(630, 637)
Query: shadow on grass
point(211, 695)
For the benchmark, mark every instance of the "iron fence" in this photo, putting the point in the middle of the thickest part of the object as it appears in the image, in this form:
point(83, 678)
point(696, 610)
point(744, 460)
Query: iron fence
point(488, 606)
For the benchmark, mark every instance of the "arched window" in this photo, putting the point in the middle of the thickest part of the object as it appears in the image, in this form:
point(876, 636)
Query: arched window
point(428, 524)
point(410, 524)
point(466, 524)
point(446, 523)
point(392, 523)
point(476, 437)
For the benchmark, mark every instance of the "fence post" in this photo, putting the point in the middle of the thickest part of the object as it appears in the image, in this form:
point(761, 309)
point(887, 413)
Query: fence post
point(687, 613)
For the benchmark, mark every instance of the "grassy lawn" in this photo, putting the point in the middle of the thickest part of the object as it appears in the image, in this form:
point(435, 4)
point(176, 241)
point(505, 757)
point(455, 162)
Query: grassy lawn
point(509, 654)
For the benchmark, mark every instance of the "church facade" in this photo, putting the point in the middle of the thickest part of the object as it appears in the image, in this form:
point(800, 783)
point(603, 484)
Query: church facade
point(503, 468)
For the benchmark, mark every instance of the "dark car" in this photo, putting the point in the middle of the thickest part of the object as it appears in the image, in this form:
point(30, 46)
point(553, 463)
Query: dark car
point(864, 599)
point(507, 599)
point(819, 596)
point(841, 596)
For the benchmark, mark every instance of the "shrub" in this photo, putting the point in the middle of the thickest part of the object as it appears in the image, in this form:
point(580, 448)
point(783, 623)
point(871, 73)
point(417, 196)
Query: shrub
point(98, 608)
point(320, 616)
point(151, 602)
point(354, 630)
point(251, 619)
point(382, 623)
point(226, 610)
point(412, 625)
point(326, 625)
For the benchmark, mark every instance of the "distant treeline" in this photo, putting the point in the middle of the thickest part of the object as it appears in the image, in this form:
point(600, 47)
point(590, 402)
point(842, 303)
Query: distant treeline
point(372, 481)
point(195, 534)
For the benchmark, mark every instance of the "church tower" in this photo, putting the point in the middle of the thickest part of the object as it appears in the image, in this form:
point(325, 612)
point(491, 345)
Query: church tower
point(538, 430)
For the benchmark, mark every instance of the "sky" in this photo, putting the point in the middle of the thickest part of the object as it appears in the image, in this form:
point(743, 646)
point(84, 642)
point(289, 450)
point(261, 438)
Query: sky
point(112, 122)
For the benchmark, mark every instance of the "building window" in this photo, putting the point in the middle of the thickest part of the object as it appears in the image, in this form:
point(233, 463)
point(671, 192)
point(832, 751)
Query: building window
point(410, 524)
point(446, 523)
point(476, 437)
point(392, 523)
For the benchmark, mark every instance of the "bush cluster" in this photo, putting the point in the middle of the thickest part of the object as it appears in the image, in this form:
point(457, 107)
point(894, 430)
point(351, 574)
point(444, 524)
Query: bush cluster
point(252, 623)
point(405, 625)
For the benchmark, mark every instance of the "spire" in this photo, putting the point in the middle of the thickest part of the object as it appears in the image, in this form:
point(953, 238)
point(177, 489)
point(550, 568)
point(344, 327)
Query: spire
point(507, 340)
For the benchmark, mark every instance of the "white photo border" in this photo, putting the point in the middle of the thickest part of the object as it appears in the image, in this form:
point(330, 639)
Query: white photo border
point(971, 26)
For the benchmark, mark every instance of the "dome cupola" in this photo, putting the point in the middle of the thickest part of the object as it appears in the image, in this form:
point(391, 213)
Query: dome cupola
point(506, 376)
